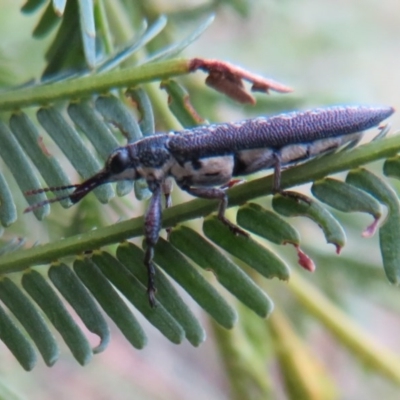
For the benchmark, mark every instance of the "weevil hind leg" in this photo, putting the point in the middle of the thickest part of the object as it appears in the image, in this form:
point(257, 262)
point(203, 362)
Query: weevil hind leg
point(217, 194)
point(383, 131)
point(152, 226)
point(276, 186)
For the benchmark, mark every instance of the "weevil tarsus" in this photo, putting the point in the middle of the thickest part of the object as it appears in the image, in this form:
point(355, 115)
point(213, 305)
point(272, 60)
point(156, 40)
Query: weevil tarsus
point(203, 159)
point(151, 274)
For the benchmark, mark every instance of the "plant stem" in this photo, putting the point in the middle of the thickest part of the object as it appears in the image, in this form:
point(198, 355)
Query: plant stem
point(87, 85)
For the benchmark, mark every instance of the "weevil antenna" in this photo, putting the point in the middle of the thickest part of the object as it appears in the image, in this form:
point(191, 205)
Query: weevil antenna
point(81, 190)
point(50, 189)
point(44, 202)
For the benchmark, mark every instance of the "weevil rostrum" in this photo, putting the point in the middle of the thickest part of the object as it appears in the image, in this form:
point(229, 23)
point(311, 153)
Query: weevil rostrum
point(203, 159)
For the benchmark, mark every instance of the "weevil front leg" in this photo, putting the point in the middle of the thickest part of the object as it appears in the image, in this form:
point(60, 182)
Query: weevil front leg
point(217, 194)
point(152, 227)
point(167, 187)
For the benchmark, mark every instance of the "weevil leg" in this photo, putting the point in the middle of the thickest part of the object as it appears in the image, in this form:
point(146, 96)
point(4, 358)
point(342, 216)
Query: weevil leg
point(383, 131)
point(167, 187)
point(232, 183)
point(219, 194)
point(276, 187)
point(152, 226)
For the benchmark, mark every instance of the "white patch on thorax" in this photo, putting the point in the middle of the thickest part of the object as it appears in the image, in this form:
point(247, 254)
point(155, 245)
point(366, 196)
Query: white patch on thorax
point(155, 174)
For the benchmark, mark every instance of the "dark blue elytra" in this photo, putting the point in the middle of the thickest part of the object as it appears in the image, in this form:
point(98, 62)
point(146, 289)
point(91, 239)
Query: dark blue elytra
point(277, 131)
point(321, 123)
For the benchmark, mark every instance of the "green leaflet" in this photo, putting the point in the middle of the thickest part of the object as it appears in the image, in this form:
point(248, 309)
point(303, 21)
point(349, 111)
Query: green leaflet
point(179, 104)
point(389, 234)
point(228, 274)
point(110, 301)
point(47, 299)
point(246, 249)
point(291, 207)
point(20, 305)
point(135, 293)
point(347, 198)
point(132, 257)
point(267, 224)
point(16, 342)
point(72, 289)
point(13, 155)
point(175, 265)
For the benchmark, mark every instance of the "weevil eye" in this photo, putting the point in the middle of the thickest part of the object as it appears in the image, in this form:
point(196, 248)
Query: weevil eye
point(118, 161)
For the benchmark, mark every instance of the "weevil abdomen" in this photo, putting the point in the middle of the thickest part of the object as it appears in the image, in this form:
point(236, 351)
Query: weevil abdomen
point(250, 161)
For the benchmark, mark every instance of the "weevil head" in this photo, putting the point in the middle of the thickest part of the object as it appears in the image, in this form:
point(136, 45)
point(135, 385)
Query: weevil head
point(120, 165)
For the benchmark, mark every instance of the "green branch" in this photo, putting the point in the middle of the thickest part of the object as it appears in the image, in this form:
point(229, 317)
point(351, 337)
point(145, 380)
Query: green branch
point(87, 85)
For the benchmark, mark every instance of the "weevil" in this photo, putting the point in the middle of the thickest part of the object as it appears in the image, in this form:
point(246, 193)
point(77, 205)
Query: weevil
point(203, 160)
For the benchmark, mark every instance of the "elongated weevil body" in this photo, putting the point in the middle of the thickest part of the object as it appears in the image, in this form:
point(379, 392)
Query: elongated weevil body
point(202, 158)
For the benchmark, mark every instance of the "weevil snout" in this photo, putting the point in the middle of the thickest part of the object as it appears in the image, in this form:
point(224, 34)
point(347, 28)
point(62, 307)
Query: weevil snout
point(119, 166)
point(87, 186)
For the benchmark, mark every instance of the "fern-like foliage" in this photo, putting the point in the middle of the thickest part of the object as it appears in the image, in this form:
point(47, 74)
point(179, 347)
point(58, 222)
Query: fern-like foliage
point(87, 115)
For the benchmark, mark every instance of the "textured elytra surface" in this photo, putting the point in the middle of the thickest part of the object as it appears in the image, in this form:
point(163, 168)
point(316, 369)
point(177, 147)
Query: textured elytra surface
point(277, 131)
